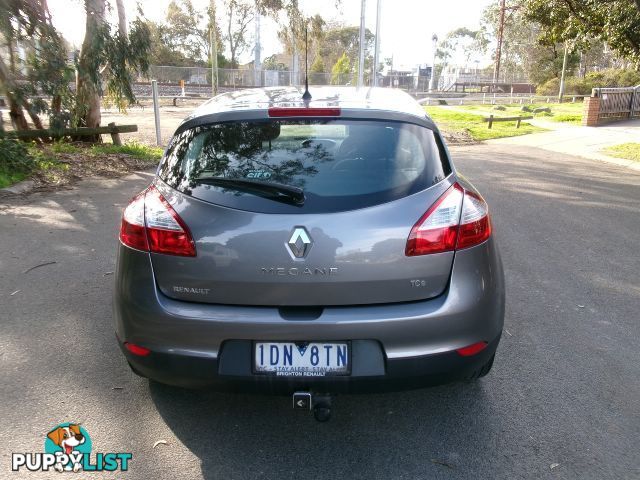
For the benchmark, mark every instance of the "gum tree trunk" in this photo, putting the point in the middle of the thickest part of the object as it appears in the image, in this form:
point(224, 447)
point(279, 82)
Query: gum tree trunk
point(88, 96)
point(16, 113)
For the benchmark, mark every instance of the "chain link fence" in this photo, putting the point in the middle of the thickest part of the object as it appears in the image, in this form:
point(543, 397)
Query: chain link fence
point(197, 80)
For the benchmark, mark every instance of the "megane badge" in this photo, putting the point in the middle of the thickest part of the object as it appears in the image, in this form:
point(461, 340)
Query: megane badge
point(300, 242)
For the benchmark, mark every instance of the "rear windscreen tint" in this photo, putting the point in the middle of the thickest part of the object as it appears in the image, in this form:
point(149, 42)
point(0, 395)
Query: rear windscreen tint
point(340, 164)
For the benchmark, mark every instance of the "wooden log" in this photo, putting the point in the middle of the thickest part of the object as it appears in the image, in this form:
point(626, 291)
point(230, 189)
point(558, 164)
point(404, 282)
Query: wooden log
point(490, 121)
point(115, 135)
point(72, 132)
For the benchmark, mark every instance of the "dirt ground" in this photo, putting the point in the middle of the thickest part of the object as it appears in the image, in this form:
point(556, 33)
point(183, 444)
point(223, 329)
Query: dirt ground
point(170, 118)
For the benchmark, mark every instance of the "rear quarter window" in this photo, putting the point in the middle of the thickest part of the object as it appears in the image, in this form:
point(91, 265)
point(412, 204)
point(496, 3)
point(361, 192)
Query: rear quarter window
point(339, 164)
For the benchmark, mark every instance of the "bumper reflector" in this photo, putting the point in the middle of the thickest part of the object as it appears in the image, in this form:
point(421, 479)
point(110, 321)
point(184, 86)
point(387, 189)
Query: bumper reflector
point(137, 349)
point(472, 349)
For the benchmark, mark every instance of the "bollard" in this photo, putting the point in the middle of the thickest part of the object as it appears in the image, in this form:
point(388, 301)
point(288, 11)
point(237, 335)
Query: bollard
point(156, 111)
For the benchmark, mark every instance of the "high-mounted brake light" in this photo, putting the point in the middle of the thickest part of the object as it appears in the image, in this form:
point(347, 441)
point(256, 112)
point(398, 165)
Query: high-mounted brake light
point(151, 224)
point(459, 219)
point(304, 112)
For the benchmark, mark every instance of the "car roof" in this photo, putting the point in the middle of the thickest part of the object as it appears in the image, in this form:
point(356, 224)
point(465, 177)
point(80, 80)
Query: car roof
point(367, 99)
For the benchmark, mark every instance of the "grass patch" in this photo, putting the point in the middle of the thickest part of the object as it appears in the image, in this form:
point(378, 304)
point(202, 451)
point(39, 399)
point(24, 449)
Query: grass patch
point(628, 151)
point(133, 149)
point(560, 112)
point(9, 178)
point(52, 163)
point(450, 120)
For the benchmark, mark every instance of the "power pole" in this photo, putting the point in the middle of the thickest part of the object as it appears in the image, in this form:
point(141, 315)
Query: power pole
point(496, 70)
point(564, 69)
point(361, 62)
point(376, 54)
point(432, 80)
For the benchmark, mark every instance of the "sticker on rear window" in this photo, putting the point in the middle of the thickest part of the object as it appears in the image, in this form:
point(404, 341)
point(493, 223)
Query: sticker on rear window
point(258, 174)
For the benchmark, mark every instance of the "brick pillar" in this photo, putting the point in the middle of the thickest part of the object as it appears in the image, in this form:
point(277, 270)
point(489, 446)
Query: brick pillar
point(591, 111)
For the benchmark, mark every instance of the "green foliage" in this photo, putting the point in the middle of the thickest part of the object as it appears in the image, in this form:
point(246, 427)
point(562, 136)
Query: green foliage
point(271, 63)
point(133, 149)
point(46, 67)
point(463, 41)
point(185, 35)
point(15, 161)
point(584, 86)
point(346, 40)
point(616, 22)
point(341, 70)
point(317, 72)
point(239, 14)
point(318, 65)
point(523, 56)
point(122, 57)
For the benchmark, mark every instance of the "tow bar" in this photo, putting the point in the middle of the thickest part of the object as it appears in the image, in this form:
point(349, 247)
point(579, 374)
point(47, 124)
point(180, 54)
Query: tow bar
point(318, 402)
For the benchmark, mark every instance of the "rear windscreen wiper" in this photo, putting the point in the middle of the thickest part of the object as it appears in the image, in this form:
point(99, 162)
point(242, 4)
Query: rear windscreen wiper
point(273, 191)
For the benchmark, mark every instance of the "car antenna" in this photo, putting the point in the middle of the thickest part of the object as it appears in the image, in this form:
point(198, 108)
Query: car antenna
point(306, 96)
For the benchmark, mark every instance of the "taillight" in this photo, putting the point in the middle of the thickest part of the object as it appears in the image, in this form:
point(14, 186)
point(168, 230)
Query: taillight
point(149, 223)
point(166, 231)
point(475, 225)
point(458, 219)
point(132, 231)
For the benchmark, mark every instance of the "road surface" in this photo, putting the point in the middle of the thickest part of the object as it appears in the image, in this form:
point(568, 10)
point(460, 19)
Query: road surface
point(563, 399)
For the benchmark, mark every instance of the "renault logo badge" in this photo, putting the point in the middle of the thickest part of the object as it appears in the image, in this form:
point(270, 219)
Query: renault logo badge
point(299, 243)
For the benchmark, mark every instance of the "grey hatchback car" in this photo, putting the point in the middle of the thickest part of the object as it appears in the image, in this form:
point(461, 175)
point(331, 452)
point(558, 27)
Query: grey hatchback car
point(308, 246)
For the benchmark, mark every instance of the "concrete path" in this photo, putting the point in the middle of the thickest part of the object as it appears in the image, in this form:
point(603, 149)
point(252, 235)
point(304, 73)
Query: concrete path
point(586, 142)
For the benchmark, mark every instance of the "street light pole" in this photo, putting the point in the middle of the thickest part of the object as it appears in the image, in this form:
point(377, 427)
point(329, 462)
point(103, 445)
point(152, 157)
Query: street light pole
point(361, 62)
point(376, 55)
point(432, 82)
point(496, 70)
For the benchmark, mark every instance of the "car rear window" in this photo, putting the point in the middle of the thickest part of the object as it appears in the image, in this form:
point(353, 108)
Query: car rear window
point(339, 164)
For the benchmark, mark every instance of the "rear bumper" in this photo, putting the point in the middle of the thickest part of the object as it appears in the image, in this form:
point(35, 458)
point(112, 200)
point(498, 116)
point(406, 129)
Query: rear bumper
point(394, 346)
point(232, 371)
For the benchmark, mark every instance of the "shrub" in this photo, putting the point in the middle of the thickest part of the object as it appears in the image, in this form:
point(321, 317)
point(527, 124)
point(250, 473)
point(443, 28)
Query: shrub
point(550, 87)
point(583, 86)
point(15, 158)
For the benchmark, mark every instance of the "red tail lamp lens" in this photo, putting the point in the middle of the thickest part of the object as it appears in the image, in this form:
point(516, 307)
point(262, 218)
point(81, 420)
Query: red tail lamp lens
point(150, 224)
point(137, 349)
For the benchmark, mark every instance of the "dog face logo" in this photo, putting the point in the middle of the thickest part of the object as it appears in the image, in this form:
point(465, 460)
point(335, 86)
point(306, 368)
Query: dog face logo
point(68, 441)
point(67, 437)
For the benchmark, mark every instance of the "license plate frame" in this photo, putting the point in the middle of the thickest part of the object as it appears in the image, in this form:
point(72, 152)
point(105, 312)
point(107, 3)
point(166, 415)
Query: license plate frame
point(303, 374)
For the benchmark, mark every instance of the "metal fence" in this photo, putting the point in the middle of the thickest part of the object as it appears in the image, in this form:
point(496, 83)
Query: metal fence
point(198, 79)
point(238, 78)
point(618, 103)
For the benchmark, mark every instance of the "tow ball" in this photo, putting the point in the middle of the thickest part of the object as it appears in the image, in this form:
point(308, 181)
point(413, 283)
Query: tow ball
point(319, 403)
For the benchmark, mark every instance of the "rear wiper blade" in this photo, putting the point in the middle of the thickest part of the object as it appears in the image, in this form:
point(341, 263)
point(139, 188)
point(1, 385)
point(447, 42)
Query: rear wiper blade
point(273, 191)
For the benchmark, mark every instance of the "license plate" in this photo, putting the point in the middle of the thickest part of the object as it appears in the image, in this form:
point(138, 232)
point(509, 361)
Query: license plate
point(302, 359)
